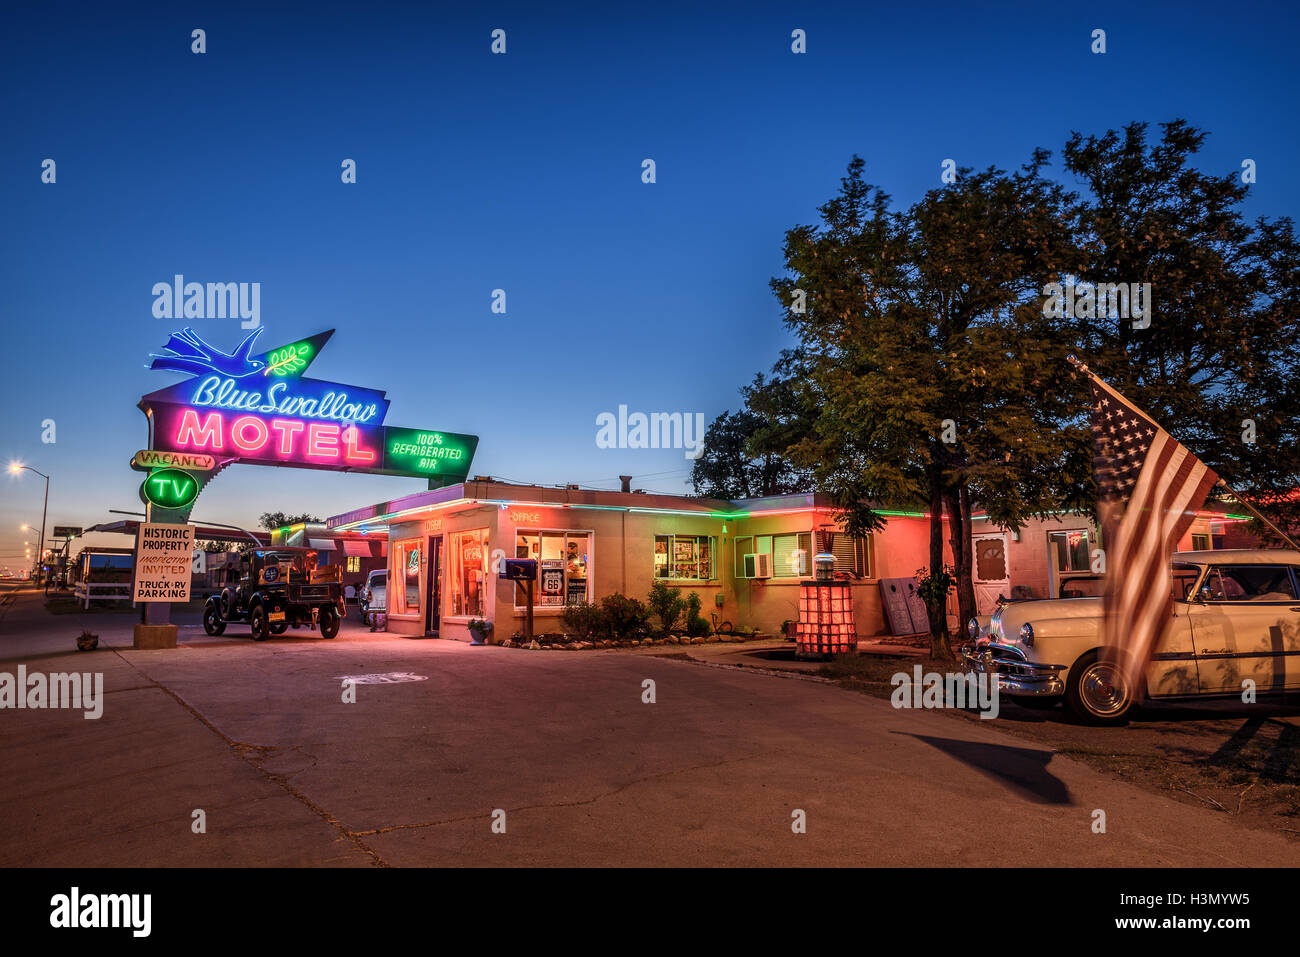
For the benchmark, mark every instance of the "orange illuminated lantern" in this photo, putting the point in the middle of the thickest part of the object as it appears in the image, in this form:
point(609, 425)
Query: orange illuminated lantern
point(826, 625)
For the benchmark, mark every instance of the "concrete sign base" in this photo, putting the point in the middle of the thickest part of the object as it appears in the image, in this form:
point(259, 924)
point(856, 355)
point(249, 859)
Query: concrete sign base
point(155, 636)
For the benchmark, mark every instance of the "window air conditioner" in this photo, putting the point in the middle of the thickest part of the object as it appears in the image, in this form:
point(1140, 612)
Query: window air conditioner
point(758, 566)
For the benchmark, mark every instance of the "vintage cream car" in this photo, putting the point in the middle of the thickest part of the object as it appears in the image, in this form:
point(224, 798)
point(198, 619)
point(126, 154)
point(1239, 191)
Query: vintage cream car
point(1236, 617)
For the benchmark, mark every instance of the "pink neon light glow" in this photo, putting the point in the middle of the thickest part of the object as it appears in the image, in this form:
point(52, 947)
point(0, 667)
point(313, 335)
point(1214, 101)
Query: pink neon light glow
point(205, 436)
point(282, 439)
point(322, 440)
point(288, 429)
point(239, 429)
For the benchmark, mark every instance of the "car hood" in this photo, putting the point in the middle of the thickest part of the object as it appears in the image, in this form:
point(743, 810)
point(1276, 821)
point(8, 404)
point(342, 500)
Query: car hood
point(1007, 620)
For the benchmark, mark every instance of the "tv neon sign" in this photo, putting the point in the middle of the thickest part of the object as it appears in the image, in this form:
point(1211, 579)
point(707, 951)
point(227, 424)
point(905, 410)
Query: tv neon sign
point(170, 488)
point(260, 409)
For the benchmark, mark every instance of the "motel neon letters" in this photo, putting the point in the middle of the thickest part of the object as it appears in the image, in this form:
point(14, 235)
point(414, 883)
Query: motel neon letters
point(288, 440)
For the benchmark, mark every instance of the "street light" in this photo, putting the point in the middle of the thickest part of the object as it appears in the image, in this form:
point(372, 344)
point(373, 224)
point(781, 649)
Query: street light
point(15, 468)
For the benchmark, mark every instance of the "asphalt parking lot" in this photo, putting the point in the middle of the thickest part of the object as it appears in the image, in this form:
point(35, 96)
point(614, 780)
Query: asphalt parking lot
point(560, 751)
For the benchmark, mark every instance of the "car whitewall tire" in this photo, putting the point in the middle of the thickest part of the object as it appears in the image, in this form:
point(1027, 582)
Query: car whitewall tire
point(1096, 690)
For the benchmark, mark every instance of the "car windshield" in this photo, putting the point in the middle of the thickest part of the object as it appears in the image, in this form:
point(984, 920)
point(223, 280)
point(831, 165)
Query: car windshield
point(379, 580)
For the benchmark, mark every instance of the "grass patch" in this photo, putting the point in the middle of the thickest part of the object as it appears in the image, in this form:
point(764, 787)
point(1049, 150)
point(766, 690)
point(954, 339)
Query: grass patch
point(880, 669)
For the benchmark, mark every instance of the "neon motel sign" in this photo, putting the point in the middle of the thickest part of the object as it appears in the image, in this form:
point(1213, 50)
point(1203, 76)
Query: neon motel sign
point(260, 409)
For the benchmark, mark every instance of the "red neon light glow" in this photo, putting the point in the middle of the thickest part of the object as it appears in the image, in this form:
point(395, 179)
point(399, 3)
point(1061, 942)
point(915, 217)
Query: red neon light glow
point(353, 452)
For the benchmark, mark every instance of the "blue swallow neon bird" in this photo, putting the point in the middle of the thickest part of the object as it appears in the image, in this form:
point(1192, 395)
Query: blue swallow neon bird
point(191, 354)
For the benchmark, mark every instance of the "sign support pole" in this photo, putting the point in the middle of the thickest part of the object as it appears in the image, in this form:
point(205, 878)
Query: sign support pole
point(528, 617)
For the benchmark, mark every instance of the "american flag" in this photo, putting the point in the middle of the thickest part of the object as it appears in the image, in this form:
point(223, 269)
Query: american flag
point(1148, 488)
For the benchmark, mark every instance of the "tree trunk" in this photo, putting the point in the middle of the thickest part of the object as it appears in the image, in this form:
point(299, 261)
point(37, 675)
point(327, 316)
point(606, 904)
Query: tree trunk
point(957, 502)
point(936, 607)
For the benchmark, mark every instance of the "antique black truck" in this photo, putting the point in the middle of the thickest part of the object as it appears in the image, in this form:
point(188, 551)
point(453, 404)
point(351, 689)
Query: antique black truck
point(276, 588)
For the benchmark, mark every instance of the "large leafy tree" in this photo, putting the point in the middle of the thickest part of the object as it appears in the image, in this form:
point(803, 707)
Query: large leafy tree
point(926, 369)
point(271, 521)
point(1219, 362)
point(730, 468)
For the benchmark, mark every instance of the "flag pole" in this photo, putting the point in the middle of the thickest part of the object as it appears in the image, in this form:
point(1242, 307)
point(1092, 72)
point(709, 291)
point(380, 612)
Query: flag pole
point(1082, 367)
point(1259, 515)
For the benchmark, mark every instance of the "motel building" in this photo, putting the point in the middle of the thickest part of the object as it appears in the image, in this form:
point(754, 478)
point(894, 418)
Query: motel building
point(745, 558)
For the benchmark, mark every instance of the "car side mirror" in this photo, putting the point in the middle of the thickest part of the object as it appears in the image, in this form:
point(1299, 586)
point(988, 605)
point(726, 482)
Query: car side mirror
point(1204, 594)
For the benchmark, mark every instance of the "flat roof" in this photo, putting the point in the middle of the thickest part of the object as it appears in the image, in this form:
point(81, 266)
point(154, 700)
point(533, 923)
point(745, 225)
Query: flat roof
point(1240, 556)
point(131, 527)
point(490, 492)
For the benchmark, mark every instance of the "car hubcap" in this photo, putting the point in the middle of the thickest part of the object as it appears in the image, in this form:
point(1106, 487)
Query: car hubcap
point(1103, 689)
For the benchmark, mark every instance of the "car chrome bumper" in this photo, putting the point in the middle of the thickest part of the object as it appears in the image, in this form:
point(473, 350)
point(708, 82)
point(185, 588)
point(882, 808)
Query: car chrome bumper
point(1015, 675)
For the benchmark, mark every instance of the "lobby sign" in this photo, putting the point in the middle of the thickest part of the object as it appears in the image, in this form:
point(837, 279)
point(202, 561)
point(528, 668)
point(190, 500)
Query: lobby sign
point(164, 556)
point(260, 409)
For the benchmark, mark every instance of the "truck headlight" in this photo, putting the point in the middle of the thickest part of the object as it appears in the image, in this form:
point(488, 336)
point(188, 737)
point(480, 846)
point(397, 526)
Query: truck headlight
point(973, 629)
point(1027, 634)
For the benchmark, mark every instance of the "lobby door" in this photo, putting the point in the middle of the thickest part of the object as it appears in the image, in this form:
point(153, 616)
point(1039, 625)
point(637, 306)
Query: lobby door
point(432, 607)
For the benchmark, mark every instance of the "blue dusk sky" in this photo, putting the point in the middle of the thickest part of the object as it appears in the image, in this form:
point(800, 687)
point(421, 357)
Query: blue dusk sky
point(520, 172)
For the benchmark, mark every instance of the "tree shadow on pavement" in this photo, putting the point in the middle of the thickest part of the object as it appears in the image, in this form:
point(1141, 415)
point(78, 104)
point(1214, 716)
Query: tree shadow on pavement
point(1024, 770)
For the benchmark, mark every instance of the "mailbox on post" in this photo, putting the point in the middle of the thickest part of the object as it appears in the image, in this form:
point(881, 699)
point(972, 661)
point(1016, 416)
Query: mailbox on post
point(519, 569)
point(523, 571)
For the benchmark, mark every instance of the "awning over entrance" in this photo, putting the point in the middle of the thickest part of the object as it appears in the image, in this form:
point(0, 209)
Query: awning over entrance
point(322, 544)
point(355, 548)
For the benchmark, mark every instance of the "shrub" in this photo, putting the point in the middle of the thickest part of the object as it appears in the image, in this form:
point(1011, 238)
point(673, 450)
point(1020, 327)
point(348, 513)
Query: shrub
point(696, 625)
point(583, 619)
point(667, 605)
point(623, 617)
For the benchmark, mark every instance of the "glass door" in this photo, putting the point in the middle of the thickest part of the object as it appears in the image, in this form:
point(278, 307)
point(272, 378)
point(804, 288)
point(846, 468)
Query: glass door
point(434, 574)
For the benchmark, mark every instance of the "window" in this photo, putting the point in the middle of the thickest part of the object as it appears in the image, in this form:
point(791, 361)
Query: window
point(563, 567)
point(405, 598)
point(1249, 583)
point(792, 555)
point(1185, 580)
point(354, 563)
point(1072, 551)
point(852, 555)
point(469, 573)
point(1200, 542)
point(685, 557)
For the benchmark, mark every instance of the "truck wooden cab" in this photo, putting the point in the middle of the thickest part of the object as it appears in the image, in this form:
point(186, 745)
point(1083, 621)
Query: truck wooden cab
point(279, 587)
